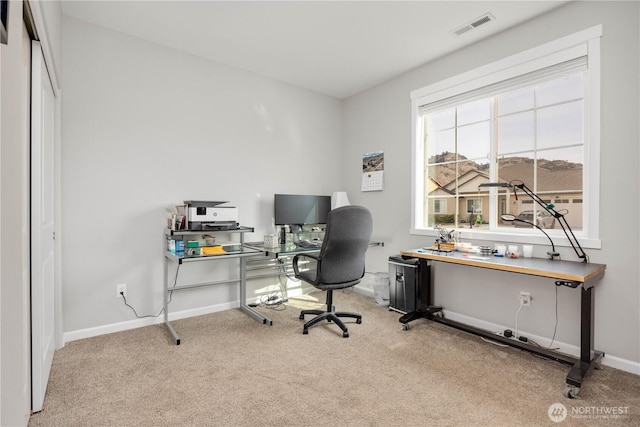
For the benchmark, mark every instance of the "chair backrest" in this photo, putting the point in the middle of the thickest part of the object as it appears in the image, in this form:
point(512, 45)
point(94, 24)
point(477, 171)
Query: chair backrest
point(347, 237)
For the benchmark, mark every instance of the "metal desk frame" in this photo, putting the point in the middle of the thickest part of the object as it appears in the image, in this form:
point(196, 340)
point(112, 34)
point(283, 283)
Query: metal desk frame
point(567, 273)
point(181, 258)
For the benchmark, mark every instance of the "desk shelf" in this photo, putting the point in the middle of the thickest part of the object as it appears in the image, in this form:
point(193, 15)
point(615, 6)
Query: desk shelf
point(239, 229)
point(241, 251)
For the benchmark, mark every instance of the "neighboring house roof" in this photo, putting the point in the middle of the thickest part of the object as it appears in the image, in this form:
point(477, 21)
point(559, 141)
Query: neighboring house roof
point(434, 186)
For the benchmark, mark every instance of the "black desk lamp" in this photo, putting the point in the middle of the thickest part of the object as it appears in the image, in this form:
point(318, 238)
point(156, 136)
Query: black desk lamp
point(510, 218)
point(547, 207)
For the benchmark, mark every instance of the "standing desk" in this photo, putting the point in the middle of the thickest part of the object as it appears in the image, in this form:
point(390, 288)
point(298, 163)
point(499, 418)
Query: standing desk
point(566, 273)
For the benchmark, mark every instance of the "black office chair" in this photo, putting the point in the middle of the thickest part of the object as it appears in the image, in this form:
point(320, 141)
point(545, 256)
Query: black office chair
point(340, 263)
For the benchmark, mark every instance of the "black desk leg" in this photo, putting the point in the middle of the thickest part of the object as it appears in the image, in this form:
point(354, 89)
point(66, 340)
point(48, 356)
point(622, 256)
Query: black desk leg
point(589, 358)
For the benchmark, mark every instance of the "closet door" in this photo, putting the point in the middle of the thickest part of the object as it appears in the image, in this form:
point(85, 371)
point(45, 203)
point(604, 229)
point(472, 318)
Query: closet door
point(42, 226)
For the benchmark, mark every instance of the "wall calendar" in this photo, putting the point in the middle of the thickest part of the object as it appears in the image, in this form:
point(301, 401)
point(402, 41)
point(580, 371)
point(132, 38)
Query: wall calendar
point(372, 171)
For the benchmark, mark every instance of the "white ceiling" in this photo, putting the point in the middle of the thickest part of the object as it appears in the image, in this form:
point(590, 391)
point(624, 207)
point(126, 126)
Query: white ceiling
point(337, 48)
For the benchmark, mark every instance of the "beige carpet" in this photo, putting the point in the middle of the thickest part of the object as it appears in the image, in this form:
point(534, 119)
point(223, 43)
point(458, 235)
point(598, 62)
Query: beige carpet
point(233, 371)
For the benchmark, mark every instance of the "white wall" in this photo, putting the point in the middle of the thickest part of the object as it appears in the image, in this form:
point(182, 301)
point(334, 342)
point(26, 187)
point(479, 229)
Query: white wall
point(146, 126)
point(381, 118)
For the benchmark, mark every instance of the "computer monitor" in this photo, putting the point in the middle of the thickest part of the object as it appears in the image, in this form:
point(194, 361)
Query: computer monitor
point(300, 209)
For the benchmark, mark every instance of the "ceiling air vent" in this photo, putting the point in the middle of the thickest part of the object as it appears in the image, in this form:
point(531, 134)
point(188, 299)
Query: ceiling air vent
point(487, 17)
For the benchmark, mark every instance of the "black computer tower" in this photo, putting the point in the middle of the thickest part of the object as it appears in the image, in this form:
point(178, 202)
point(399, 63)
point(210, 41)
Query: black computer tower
point(404, 283)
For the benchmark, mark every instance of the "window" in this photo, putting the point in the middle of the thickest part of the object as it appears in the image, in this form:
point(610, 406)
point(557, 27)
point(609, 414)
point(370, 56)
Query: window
point(474, 206)
point(439, 206)
point(532, 117)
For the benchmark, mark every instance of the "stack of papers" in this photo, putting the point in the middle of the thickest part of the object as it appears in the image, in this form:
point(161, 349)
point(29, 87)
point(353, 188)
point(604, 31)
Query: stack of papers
point(213, 250)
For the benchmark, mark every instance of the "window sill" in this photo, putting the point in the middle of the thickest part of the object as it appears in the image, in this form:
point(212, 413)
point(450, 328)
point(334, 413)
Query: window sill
point(524, 237)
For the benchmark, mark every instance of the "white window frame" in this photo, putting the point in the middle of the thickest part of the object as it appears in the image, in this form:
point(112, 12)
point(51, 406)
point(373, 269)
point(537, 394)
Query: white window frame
point(586, 42)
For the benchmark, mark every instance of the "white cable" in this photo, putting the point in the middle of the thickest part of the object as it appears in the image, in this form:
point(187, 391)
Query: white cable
point(490, 341)
point(555, 327)
point(516, 336)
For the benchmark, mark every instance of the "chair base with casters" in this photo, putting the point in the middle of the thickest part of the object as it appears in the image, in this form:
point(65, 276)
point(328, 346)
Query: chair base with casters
point(330, 315)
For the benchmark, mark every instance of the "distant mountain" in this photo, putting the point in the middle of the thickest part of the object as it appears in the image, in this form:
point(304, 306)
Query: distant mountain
point(550, 165)
point(446, 172)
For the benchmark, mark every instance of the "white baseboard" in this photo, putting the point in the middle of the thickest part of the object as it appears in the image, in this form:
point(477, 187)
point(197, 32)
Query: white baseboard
point(363, 290)
point(622, 364)
point(139, 323)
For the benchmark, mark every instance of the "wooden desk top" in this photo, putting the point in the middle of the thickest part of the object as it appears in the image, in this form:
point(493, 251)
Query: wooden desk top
point(564, 270)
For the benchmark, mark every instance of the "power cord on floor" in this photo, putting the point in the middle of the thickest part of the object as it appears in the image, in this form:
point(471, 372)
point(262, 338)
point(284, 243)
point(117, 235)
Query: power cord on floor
point(275, 300)
point(271, 301)
point(487, 340)
point(508, 333)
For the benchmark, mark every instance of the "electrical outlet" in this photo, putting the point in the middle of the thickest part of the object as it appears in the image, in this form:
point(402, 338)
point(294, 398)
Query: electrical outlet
point(121, 289)
point(525, 299)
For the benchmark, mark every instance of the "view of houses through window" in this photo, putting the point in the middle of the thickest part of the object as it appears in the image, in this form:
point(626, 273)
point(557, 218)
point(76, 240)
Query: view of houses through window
point(533, 133)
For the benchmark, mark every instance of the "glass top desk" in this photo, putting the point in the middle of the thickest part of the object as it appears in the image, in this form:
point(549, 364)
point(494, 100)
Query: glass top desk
point(572, 274)
point(238, 250)
point(231, 250)
point(290, 248)
point(284, 249)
